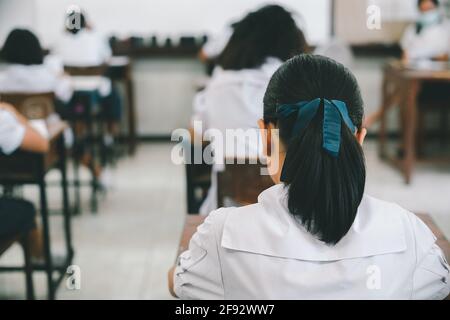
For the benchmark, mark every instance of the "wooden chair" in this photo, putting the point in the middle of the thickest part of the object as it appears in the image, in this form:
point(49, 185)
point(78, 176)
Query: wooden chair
point(93, 121)
point(198, 181)
point(242, 183)
point(31, 105)
point(40, 106)
point(99, 70)
point(87, 99)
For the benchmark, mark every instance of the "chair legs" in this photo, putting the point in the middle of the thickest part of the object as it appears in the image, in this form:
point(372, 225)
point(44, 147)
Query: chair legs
point(28, 268)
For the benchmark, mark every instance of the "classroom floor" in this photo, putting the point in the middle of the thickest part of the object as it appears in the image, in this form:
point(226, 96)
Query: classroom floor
point(125, 250)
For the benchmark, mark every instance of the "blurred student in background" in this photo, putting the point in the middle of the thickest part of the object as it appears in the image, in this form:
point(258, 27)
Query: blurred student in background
point(82, 46)
point(27, 70)
point(260, 43)
point(429, 37)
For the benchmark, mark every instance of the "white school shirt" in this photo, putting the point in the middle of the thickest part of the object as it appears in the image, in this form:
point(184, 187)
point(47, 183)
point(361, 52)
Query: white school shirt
point(12, 132)
point(261, 252)
point(431, 42)
point(17, 78)
point(83, 49)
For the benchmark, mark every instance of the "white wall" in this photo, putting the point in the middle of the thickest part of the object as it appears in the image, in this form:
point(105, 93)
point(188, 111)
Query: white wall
point(15, 14)
point(147, 17)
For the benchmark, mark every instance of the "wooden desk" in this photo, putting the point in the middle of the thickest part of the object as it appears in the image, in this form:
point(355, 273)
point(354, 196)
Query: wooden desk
point(242, 181)
point(193, 221)
point(401, 86)
point(22, 168)
point(126, 49)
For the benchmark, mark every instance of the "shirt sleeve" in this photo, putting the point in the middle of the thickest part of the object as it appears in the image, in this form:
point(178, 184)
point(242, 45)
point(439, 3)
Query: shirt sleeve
point(198, 272)
point(431, 279)
point(106, 49)
point(63, 88)
point(407, 38)
point(12, 132)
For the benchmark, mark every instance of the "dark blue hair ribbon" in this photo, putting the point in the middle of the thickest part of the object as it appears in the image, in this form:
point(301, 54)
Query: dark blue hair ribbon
point(334, 112)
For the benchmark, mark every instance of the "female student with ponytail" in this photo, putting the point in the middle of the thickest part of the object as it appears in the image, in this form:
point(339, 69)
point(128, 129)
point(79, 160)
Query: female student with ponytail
point(315, 234)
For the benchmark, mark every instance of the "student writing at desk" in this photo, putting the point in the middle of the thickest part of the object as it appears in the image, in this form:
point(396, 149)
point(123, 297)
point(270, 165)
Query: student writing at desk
point(315, 234)
point(260, 42)
point(18, 216)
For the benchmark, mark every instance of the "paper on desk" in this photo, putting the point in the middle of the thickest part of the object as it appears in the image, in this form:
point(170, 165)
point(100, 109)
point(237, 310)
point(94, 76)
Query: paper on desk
point(429, 65)
point(40, 125)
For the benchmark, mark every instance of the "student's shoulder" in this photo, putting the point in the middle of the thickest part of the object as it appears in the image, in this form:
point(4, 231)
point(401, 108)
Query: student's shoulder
point(387, 208)
point(217, 219)
point(414, 227)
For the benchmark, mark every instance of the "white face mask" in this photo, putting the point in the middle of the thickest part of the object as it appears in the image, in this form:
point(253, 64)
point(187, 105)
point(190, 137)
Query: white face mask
point(429, 18)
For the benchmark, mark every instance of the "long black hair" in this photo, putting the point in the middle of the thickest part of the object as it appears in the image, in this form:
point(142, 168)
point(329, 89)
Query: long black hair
point(324, 191)
point(268, 32)
point(22, 47)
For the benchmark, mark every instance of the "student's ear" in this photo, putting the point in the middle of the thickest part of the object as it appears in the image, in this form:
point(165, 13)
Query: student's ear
point(266, 137)
point(361, 135)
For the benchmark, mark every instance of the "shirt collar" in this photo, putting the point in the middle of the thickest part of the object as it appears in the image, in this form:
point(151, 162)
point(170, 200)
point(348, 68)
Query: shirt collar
point(268, 228)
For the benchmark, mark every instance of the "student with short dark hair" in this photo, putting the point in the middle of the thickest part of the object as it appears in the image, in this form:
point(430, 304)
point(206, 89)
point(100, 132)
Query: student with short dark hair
point(232, 99)
point(27, 70)
point(315, 234)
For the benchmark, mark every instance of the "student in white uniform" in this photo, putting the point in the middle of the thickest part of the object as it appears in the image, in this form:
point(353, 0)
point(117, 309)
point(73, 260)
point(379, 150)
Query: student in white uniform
point(82, 46)
point(233, 98)
point(26, 69)
point(315, 234)
point(429, 37)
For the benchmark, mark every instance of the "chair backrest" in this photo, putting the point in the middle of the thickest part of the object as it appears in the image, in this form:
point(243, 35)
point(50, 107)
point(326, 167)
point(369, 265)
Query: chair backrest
point(198, 179)
point(31, 105)
point(86, 71)
point(242, 183)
